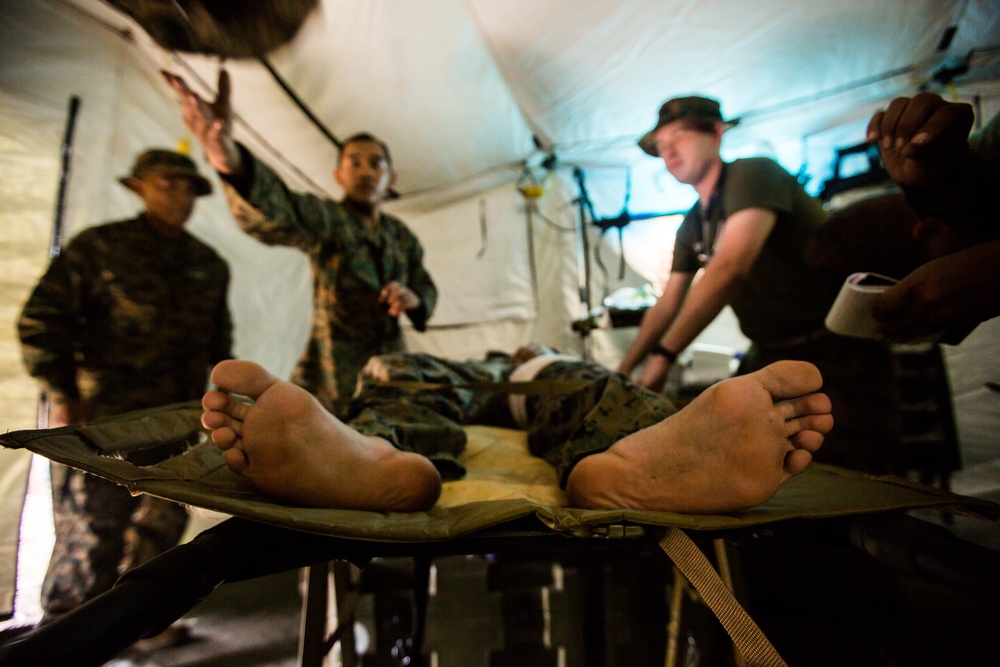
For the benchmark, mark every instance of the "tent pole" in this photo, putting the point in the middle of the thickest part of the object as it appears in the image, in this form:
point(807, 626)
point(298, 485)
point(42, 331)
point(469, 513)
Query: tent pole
point(55, 244)
point(586, 323)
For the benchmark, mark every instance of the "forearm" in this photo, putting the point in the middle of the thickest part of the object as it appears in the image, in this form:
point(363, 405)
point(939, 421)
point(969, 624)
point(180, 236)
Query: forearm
point(418, 317)
point(241, 176)
point(655, 322)
point(47, 351)
point(418, 281)
point(713, 291)
point(953, 293)
point(427, 292)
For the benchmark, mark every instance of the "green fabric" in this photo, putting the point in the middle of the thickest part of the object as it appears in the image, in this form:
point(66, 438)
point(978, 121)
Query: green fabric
point(199, 477)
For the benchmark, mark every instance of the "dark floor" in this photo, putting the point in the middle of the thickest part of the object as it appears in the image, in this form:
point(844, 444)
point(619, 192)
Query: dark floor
point(471, 620)
point(478, 613)
point(243, 624)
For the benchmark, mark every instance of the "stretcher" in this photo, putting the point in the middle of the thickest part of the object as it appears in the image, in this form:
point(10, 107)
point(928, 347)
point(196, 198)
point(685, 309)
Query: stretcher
point(508, 502)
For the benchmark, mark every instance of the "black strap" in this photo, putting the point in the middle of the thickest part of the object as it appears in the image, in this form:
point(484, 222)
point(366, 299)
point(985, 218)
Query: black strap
point(530, 388)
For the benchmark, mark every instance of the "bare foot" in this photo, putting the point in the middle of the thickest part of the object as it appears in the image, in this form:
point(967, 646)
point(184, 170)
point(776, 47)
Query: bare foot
point(729, 449)
point(289, 447)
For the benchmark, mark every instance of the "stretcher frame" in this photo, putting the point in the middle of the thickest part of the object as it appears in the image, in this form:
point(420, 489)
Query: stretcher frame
point(867, 510)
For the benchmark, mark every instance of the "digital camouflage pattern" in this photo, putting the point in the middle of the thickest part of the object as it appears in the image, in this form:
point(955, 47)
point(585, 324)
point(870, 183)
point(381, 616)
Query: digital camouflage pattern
point(351, 263)
point(562, 428)
point(127, 318)
point(101, 531)
point(124, 318)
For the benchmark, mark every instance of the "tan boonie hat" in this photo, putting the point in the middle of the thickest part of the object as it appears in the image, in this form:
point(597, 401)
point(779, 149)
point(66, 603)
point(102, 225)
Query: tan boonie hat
point(682, 107)
point(167, 163)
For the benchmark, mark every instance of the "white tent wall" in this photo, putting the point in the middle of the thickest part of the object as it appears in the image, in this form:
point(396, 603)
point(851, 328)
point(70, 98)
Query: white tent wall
point(460, 90)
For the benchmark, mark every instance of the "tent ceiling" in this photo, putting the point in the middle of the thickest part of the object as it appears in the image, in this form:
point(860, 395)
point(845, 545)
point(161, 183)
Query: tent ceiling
point(461, 87)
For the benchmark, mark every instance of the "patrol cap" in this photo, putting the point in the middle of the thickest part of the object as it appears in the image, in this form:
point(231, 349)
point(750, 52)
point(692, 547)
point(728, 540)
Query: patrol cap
point(683, 107)
point(167, 163)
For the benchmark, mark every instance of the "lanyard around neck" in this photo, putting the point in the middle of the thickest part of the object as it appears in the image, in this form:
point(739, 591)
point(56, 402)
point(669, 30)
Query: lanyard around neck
point(711, 230)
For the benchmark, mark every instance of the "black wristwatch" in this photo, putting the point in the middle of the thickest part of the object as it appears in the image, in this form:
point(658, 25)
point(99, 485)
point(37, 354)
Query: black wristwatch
point(669, 355)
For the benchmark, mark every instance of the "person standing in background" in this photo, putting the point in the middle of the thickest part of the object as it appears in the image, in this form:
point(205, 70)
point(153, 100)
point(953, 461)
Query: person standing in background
point(367, 266)
point(745, 239)
point(130, 315)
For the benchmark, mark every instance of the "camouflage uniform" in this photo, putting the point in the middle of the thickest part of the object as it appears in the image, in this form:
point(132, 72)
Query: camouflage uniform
point(562, 428)
point(124, 318)
point(351, 263)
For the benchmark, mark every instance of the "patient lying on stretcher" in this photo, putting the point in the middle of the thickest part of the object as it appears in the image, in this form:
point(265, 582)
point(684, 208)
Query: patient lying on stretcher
point(613, 444)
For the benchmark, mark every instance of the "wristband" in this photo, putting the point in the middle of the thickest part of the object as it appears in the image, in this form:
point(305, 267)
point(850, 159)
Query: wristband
point(669, 355)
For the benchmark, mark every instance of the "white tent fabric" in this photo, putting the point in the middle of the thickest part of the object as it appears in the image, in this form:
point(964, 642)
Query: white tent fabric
point(466, 93)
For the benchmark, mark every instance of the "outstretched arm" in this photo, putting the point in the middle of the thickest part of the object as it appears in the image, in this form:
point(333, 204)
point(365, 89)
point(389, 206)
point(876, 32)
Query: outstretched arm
point(924, 145)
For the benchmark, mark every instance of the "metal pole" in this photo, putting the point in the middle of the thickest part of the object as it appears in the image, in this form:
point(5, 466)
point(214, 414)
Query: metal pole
point(55, 245)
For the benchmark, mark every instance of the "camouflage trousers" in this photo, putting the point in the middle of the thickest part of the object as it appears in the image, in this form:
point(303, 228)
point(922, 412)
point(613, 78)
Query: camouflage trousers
point(101, 531)
point(859, 378)
point(562, 428)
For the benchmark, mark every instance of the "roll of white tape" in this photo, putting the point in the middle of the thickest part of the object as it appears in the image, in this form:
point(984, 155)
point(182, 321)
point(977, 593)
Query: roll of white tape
point(852, 311)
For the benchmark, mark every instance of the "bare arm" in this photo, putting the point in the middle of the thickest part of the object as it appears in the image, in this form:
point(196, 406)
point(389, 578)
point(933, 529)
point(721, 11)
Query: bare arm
point(743, 236)
point(656, 320)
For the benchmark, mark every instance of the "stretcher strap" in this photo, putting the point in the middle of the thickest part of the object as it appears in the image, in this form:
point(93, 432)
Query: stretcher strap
point(756, 649)
point(528, 388)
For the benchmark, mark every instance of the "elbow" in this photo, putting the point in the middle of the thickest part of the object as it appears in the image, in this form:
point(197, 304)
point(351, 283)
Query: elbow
point(731, 274)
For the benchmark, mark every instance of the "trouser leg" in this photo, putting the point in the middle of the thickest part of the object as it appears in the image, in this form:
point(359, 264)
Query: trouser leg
point(426, 422)
point(91, 515)
point(156, 526)
point(564, 429)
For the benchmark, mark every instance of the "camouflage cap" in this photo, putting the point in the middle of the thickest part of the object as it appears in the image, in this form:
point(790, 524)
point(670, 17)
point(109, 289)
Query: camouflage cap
point(167, 163)
point(682, 107)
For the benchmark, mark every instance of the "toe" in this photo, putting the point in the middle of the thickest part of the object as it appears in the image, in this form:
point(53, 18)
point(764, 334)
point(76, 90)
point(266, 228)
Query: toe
point(788, 379)
point(214, 400)
point(236, 459)
point(809, 441)
point(224, 437)
point(811, 404)
point(218, 420)
point(242, 377)
point(796, 461)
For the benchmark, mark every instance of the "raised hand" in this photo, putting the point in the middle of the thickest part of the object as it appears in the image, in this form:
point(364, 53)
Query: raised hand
point(922, 138)
point(211, 124)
